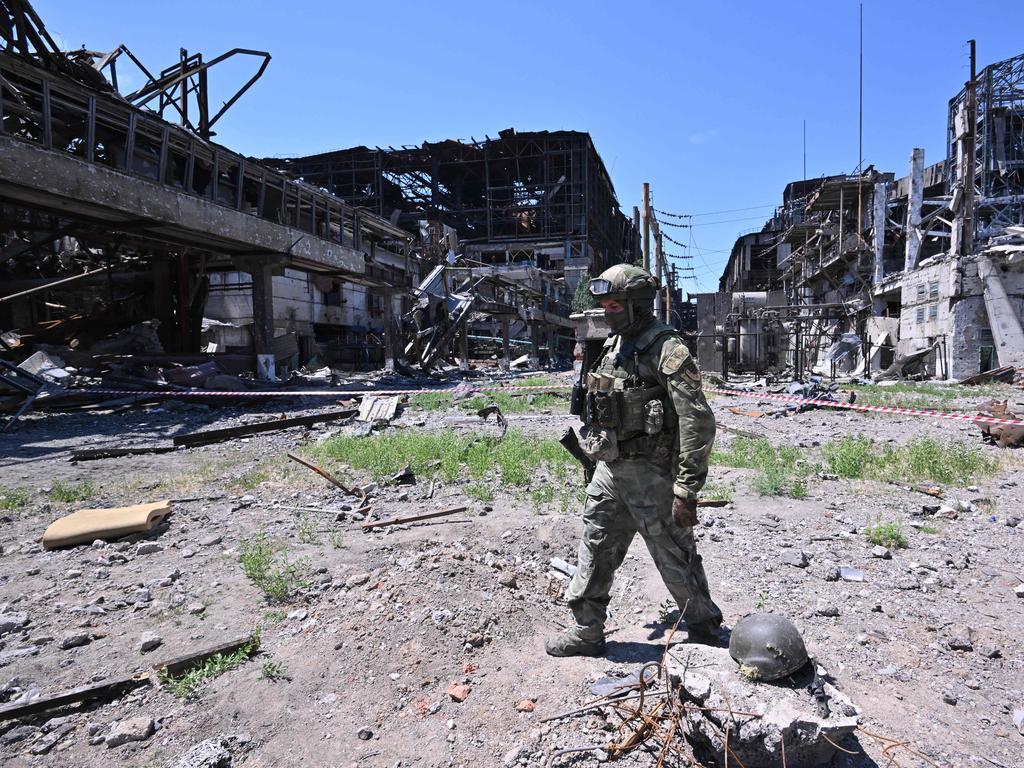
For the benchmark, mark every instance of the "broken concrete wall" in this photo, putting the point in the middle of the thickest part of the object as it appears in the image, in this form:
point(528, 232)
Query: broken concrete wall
point(925, 313)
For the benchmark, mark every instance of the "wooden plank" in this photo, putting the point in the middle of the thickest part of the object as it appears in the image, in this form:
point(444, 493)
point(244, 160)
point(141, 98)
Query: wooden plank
point(91, 454)
point(108, 689)
point(193, 439)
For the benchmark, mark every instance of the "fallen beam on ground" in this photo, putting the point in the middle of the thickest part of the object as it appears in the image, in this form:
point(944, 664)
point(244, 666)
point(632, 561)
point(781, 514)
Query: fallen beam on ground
point(209, 436)
point(107, 689)
point(411, 518)
point(740, 432)
point(929, 490)
point(91, 454)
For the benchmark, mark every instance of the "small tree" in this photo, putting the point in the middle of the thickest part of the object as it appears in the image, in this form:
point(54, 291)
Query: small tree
point(582, 300)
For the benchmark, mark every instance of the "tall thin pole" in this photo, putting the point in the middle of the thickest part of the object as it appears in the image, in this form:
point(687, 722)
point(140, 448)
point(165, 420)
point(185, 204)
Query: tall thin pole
point(647, 226)
point(860, 126)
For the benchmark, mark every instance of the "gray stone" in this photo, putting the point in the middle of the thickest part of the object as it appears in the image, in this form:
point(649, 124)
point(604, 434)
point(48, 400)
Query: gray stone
point(12, 621)
point(7, 656)
point(211, 541)
point(19, 733)
point(196, 609)
point(357, 579)
point(960, 639)
point(74, 640)
point(49, 741)
point(132, 729)
point(365, 733)
point(513, 755)
point(211, 753)
point(908, 583)
point(826, 609)
point(1019, 591)
point(794, 557)
point(187, 553)
point(150, 641)
point(148, 548)
point(881, 552)
point(949, 698)
point(299, 614)
point(832, 573)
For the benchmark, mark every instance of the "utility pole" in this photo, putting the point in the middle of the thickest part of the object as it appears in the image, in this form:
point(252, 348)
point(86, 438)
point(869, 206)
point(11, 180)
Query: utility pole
point(659, 261)
point(647, 226)
point(971, 103)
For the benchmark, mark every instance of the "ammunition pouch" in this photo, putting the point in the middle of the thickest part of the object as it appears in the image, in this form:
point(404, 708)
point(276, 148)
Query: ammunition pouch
point(604, 409)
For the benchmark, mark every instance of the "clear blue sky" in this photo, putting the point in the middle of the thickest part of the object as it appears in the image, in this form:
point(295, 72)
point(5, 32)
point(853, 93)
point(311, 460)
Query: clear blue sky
point(704, 100)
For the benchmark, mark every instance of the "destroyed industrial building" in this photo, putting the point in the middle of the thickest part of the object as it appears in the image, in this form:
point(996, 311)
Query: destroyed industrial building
point(855, 272)
point(119, 210)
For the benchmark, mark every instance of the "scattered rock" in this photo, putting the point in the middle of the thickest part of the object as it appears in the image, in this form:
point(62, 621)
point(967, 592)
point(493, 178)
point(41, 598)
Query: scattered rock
point(960, 639)
point(526, 705)
point(211, 541)
point(881, 552)
point(150, 641)
point(365, 733)
point(513, 755)
point(356, 579)
point(12, 621)
point(299, 614)
point(949, 698)
point(74, 640)
point(195, 609)
point(458, 691)
point(132, 729)
point(19, 733)
point(148, 548)
point(826, 609)
point(795, 557)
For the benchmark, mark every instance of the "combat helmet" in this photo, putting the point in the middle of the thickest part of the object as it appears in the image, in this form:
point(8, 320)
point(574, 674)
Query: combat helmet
point(767, 646)
point(631, 286)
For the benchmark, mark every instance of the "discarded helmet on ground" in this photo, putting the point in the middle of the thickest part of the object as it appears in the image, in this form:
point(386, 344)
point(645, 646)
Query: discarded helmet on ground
point(624, 282)
point(767, 646)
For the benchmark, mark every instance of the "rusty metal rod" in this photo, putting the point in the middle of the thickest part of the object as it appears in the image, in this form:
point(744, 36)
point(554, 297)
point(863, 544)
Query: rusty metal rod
point(326, 475)
point(411, 518)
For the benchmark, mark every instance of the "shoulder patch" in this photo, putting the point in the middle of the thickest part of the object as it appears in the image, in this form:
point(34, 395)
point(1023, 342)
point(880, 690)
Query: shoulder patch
point(676, 360)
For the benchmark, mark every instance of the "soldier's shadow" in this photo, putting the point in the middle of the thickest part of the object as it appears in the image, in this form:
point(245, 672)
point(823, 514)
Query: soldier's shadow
point(629, 652)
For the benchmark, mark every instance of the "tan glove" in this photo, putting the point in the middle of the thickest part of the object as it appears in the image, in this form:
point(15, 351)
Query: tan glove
point(684, 512)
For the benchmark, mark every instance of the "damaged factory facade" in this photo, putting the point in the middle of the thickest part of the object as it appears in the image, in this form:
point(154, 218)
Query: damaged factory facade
point(921, 276)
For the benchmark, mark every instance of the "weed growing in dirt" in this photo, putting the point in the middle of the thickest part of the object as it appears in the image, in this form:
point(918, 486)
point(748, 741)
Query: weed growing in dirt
point(273, 616)
point(336, 537)
point(762, 601)
point(69, 492)
point(13, 499)
point(479, 491)
point(307, 530)
point(520, 401)
point(186, 685)
point(279, 579)
point(911, 395)
point(716, 492)
point(921, 459)
point(887, 535)
point(274, 671)
point(780, 471)
point(928, 529)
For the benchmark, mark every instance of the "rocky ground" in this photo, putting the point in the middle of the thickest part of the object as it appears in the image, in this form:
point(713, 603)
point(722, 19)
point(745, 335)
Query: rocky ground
point(386, 631)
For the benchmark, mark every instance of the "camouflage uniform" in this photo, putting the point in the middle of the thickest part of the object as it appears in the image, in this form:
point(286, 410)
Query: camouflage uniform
point(634, 491)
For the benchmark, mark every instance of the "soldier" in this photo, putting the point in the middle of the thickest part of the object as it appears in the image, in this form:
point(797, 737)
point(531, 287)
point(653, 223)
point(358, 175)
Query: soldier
point(650, 430)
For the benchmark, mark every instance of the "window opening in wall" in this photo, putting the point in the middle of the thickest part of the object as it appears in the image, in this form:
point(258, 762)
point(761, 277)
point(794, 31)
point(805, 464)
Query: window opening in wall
point(920, 314)
point(986, 351)
point(933, 312)
point(933, 290)
point(920, 292)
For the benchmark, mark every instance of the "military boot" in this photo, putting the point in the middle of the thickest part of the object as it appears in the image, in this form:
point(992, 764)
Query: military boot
point(707, 633)
point(572, 643)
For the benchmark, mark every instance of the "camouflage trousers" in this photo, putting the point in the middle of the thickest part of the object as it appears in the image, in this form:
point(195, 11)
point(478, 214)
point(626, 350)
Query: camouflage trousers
point(627, 497)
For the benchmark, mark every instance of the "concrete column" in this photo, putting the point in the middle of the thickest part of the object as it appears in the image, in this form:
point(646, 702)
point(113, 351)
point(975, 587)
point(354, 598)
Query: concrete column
point(263, 320)
point(878, 219)
point(389, 331)
point(914, 201)
point(464, 347)
point(1002, 315)
point(506, 357)
point(535, 333)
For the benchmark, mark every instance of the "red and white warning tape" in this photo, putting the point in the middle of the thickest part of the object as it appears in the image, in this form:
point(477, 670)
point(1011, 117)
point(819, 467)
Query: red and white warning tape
point(868, 408)
point(341, 394)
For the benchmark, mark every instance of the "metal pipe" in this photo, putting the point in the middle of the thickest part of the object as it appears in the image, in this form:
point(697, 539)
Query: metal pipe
point(54, 284)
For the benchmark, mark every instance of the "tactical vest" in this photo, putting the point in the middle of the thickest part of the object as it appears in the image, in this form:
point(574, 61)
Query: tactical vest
point(619, 398)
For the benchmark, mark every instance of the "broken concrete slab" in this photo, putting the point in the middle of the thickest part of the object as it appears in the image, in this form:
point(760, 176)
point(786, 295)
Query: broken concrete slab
point(709, 679)
point(131, 729)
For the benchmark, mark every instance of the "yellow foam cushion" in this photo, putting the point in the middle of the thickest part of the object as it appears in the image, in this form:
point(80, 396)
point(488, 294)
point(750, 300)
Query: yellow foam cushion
point(87, 525)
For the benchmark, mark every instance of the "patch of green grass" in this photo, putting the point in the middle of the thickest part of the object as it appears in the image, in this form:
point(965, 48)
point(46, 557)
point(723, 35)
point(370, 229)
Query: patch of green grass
point(716, 492)
point(336, 537)
point(279, 579)
point(762, 601)
point(780, 470)
point(274, 615)
point(928, 529)
point(70, 492)
point(449, 455)
point(186, 685)
point(921, 459)
point(479, 491)
point(887, 535)
point(515, 401)
point(543, 495)
point(253, 478)
point(274, 671)
point(13, 499)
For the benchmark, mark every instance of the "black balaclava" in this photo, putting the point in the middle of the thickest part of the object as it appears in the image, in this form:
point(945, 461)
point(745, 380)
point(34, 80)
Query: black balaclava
point(636, 315)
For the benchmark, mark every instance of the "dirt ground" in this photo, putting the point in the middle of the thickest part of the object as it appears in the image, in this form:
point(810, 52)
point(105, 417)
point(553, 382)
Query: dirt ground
point(355, 669)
